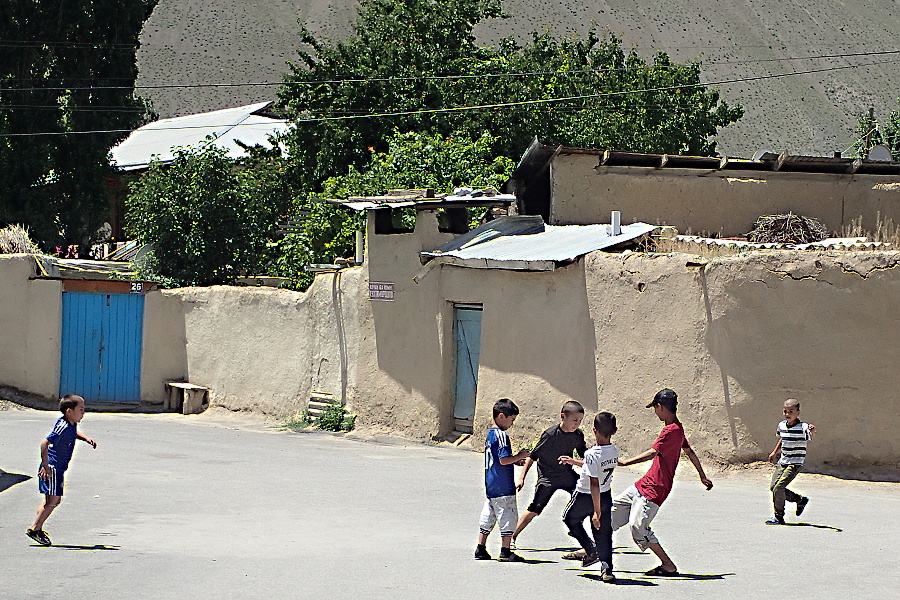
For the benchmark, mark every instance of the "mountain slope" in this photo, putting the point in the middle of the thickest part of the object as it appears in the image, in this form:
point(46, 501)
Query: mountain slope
point(232, 42)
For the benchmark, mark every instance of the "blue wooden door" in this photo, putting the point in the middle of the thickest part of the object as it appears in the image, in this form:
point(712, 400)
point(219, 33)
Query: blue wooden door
point(467, 336)
point(102, 336)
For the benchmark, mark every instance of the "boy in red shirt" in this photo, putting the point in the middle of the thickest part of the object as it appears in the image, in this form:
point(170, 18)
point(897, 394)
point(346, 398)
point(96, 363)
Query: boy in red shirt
point(639, 503)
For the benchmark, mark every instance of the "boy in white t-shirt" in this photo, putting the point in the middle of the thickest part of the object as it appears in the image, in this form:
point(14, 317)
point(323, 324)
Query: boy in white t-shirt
point(592, 497)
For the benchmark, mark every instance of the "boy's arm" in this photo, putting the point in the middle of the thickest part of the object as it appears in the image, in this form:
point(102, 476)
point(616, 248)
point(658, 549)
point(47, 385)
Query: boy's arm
point(44, 471)
point(695, 460)
point(812, 429)
point(521, 482)
point(511, 460)
point(85, 438)
point(775, 452)
point(595, 496)
point(568, 460)
point(643, 457)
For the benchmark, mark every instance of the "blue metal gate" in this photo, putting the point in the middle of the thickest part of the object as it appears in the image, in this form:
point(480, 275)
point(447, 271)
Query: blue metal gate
point(101, 346)
point(467, 335)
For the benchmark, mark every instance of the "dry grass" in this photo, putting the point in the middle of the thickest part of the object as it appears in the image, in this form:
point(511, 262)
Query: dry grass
point(885, 231)
point(14, 240)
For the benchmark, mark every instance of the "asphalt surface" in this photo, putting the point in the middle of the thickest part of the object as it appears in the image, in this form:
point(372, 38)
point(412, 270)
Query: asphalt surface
point(218, 507)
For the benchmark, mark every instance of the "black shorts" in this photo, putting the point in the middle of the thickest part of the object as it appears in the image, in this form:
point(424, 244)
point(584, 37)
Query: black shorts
point(544, 491)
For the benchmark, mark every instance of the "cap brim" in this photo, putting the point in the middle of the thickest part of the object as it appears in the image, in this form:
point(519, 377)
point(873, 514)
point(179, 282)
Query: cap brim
point(651, 405)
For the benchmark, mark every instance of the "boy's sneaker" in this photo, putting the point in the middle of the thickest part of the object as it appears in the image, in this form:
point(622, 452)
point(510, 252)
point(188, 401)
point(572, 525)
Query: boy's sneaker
point(481, 554)
point(589, 559)
point(606, 574)
point(511, 557)
point(801, 505)
point(40, 536)
point(776, 520)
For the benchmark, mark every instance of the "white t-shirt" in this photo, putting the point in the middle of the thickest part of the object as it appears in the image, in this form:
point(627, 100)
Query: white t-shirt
point(599, 462)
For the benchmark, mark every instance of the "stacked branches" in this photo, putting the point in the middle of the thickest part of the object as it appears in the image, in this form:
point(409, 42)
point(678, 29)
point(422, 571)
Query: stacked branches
point(787, 229)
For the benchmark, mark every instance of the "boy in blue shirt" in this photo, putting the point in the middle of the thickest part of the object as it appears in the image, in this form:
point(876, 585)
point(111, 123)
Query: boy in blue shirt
point(499, 483)
point(56, 452)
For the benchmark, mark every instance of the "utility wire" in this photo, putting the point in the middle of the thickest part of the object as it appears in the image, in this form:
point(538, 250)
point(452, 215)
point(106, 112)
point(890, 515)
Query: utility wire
point(491, 106)
point(439, 77)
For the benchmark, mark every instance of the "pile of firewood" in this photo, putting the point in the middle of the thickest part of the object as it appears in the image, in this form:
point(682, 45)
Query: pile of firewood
point(787, 229)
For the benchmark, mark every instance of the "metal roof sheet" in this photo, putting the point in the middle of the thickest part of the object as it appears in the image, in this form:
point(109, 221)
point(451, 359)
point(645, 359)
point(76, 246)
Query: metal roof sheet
point(376, 202)
point(826, 244)
point(159, 139)
point(539, 251)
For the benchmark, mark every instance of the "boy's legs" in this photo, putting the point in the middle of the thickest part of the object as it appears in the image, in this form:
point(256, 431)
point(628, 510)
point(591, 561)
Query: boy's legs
point(603, 536)
point(577, 510)
point(44, 511)
point(542, 494)
point(783, 475)
point(639, 517)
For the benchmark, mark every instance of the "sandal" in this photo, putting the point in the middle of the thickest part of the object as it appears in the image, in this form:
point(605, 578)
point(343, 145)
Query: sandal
point(660, 572)
point(579, 555)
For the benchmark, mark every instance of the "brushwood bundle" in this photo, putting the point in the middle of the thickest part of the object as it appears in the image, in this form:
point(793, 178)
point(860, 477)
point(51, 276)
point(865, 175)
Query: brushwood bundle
point(787, 229)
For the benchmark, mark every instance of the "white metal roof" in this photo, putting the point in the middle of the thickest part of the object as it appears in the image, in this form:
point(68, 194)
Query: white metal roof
point(539, 251)
point(158, 140)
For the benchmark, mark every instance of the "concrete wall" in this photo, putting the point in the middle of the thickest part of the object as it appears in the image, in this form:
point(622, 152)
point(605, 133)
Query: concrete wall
point(712, 201)
point(30, 327)
point(734, 336)
point(258, 349)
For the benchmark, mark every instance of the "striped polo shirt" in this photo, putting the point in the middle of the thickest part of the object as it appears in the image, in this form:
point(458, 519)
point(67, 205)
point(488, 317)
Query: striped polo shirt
point(793, 442)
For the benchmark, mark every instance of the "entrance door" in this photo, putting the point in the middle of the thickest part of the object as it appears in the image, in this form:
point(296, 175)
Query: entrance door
point(101, 346)
point(467, 336)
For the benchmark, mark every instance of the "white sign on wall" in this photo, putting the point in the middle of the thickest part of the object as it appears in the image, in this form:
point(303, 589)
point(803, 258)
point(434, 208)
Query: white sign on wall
point(381, 290)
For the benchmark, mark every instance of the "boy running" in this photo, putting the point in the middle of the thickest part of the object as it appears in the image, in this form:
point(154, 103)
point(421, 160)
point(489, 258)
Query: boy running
point(640, 502)
point(553, 474)
point(56, 452)
point(793, 435)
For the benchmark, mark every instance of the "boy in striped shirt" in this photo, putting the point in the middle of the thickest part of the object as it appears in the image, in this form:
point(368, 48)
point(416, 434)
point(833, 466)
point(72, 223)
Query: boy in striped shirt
point(793, 435)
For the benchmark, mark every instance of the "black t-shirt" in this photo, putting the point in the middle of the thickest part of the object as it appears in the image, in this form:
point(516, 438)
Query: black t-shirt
point(555, 443)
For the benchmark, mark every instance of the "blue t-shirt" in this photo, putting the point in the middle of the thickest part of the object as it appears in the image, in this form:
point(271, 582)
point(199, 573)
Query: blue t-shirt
point(62, 443)
point(499, 480)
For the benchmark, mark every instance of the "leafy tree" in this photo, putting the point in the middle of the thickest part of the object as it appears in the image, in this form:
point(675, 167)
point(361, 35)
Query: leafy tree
point(870, 132)
point(207, 218)
point(65, 67)
point(412, 161)
point(418, 60)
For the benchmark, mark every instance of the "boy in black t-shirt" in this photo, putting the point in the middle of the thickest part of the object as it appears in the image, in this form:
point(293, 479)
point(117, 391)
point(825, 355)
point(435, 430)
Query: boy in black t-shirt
point(558, 441)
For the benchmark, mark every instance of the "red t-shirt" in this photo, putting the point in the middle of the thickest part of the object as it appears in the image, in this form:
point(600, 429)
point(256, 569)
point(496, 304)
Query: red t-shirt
point(657, 483)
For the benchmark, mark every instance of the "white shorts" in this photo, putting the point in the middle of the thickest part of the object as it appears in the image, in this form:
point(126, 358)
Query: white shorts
point(635, 510)
point(501, 509)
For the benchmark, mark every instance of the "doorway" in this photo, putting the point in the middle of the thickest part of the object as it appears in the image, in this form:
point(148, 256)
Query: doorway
point(467, 340)
point(101, 346)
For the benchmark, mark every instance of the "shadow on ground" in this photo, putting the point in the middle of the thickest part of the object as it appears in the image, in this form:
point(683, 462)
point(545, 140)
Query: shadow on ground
point(7, 480)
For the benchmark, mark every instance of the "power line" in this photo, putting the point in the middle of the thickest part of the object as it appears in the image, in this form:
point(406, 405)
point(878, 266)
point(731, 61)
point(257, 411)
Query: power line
point(490, 106)
point(440, 77)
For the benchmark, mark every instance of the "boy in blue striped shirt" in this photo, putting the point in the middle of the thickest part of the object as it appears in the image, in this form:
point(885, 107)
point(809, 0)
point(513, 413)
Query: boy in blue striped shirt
point(56, 452)
point(793, 435)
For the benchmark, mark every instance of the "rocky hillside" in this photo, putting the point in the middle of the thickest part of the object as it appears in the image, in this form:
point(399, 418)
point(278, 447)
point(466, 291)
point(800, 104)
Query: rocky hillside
point(228, 42)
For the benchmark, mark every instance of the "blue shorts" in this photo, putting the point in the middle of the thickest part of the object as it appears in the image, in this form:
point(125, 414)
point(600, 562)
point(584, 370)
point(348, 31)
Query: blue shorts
point(52, 486)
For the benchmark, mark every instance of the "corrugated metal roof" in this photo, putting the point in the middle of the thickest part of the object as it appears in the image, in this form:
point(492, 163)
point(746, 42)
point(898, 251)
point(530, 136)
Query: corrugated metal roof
point(539, 251)
point(160, 138)
point(826, 244)
point(376, 202)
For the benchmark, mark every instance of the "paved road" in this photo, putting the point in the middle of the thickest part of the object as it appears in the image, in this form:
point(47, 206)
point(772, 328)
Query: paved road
point(214, 507)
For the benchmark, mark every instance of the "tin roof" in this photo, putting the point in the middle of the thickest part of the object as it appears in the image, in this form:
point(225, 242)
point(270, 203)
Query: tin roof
point(518, 243)
point(537, 156)
point(222, 128)
point(422, 201)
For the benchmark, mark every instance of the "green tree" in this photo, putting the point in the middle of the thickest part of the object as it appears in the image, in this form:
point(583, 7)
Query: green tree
point(206, 217)
point(412, 161)
point(870, 132)
point(65, 67)
point(419, 58)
